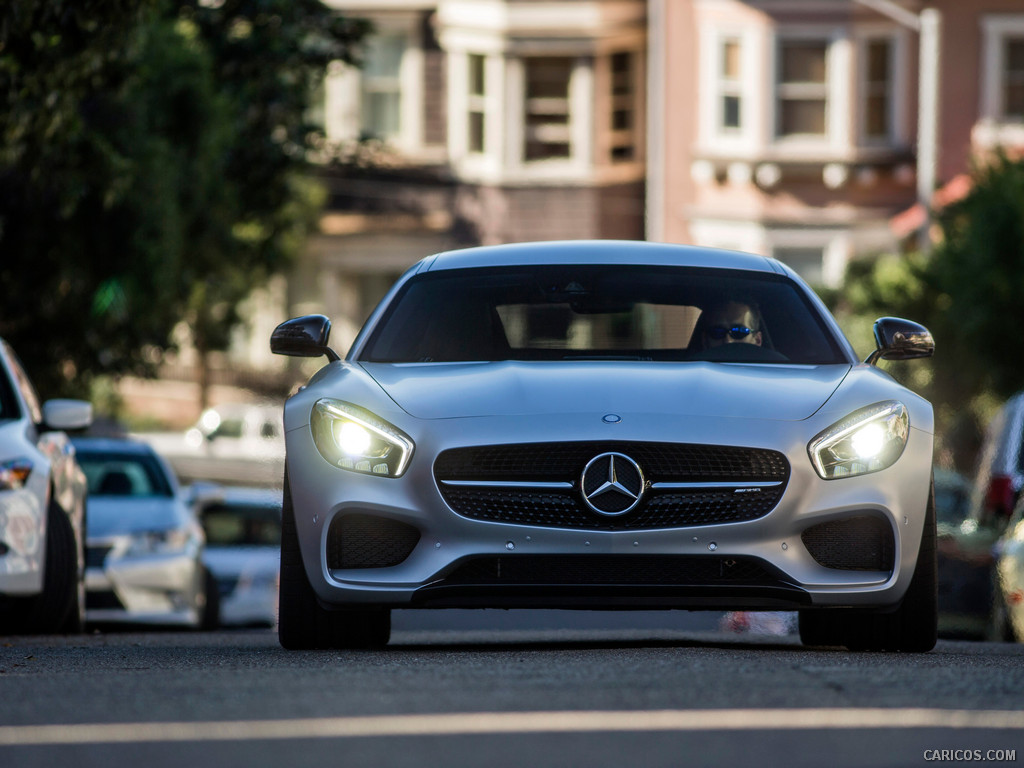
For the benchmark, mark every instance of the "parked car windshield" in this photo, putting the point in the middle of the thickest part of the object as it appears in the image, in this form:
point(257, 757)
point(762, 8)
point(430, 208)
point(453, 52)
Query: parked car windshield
point(601, 312)
point(112, 474)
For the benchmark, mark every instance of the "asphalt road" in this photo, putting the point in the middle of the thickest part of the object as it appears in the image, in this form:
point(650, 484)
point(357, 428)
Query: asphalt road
point(500, 689)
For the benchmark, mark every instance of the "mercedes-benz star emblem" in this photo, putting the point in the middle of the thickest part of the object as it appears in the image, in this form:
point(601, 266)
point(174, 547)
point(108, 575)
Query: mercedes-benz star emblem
point(612, 484)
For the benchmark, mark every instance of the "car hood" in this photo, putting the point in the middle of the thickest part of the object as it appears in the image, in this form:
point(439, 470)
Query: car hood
point(112, 516)
point(511, 388)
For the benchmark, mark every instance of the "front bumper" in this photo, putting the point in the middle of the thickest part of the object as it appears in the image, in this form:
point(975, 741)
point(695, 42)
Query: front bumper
point(157, 589)
point(760, 563)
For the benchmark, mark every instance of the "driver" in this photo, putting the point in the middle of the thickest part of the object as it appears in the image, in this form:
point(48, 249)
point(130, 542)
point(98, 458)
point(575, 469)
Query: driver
point(733, 322)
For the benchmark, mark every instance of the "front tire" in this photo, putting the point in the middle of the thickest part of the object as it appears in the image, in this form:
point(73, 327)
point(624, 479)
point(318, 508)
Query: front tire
point(302, 623)
point(913, 627)
point(58, 608)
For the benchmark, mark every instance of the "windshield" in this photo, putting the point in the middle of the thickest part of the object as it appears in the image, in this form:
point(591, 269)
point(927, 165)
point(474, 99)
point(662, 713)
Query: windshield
point(602, 312)
point(110, 474)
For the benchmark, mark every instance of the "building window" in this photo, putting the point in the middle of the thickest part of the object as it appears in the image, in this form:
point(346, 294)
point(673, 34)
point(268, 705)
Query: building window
point(381, 86)
point(730, 87)
point(623, 117)
point(547, 108)
point(878, 89)
point(1013, 79)
point(476, 102)
point(802, 94)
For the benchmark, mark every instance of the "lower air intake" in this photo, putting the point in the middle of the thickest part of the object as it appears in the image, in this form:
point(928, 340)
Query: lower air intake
point(368, 541)
point(861, 543)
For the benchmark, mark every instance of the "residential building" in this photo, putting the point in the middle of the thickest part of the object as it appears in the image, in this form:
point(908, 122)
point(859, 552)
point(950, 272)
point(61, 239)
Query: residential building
point(789, 127)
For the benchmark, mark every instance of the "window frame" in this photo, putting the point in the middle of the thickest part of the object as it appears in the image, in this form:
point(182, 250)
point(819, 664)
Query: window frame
point(995, 127)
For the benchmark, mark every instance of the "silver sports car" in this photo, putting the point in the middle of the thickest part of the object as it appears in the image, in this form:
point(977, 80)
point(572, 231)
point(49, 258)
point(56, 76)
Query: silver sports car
point(607, 425)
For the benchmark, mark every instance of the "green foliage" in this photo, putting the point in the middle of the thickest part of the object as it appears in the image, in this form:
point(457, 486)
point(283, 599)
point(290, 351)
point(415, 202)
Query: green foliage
point(979, 271)
point(968, 293)
point(150, 162)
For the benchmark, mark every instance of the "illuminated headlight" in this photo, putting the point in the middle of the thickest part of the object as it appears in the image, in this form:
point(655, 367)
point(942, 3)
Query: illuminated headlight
point(352, 438)
point(14, 474)
point(867, 440)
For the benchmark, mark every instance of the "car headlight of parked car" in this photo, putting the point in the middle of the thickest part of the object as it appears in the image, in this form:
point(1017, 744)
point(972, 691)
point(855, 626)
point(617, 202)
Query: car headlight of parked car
point(158, 542)
point(868, 440)
point(355, 439)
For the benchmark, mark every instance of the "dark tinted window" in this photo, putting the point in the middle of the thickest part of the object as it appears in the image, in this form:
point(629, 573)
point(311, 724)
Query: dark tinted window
point(113, 474)
point(566, 312)
point(242, 525)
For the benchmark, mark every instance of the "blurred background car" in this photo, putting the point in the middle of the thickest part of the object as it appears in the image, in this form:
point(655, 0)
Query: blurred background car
point(1008, 608)
point(42, 507)
point(1000, 474)
point(235, 443)
point(243, 552)
point(144, 544)
point(965, 559)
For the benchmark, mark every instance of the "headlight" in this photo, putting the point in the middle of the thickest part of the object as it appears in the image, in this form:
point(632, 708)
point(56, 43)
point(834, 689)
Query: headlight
point(14, 473)
point(352, 438)
point(867, 440)
point(158, 542)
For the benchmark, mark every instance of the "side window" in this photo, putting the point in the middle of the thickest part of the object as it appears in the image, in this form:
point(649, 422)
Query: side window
point(28, 392)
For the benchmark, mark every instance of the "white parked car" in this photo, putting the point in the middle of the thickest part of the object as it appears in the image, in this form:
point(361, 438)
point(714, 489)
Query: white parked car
point(607, 425)
point(42, 507)
point(145, 545)
point(243, 552)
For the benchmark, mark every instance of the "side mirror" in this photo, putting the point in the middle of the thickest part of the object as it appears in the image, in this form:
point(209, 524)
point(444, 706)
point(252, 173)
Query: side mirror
point(898, 339)
point(305, 336)
point(67, 414)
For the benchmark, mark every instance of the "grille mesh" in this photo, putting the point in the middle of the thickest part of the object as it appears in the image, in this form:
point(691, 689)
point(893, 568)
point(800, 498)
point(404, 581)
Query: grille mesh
point(861, 543)
point(564, 462)
point(368, 541)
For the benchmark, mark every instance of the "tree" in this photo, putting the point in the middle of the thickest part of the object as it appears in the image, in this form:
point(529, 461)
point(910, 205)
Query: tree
point(967, 293)
point(978, 271)
point(151, 169)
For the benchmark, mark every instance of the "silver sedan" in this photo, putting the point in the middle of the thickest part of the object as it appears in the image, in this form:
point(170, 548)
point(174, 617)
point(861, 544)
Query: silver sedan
point(145, 545)
point(607, 425)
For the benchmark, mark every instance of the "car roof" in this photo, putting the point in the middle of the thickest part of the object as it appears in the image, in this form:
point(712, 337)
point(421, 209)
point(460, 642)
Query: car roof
point(599, 252)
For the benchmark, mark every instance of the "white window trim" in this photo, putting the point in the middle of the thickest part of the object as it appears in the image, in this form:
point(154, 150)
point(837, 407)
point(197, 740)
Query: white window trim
point(343, 91)
point(837, 138)
point(712, 137)
point(993, 128)
point(897, 131)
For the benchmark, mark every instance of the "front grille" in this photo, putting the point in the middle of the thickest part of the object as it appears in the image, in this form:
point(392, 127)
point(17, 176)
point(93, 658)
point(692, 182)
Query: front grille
point(368, 541)
point(859, 543)
point(608, 570)
point(492, 483)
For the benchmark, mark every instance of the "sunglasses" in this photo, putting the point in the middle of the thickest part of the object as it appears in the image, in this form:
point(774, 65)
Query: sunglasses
point(719, 332)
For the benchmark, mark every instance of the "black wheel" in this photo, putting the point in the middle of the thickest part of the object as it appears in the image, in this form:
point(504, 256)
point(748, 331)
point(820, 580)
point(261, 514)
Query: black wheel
point(209, 618)
point(302, 623)
point(820, 627)
point(913, 626)
point(58, 608)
